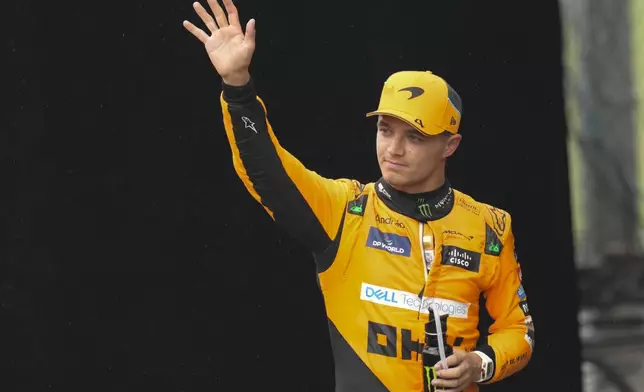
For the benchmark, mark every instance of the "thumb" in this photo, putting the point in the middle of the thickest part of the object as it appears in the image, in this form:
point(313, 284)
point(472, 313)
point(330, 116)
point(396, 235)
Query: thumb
point(250, 32)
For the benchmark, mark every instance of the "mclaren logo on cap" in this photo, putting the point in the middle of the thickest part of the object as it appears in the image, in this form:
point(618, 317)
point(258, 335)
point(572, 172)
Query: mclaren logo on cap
point(415, 91)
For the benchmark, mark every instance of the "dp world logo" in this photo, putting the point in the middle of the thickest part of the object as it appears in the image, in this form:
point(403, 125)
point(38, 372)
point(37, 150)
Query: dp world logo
point(389, 242)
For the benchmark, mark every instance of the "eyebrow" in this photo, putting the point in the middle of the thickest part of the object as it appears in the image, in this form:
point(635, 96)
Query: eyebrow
point(383, 123)
point(410, 130)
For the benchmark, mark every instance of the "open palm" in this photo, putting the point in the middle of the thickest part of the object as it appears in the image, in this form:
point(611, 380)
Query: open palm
point(229, 49)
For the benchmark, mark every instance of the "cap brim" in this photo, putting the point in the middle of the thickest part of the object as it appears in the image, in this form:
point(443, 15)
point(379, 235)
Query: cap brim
point(427, 130)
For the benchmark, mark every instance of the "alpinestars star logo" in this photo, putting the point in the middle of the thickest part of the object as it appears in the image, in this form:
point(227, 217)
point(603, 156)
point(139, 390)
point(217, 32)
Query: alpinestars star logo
point(248, 123)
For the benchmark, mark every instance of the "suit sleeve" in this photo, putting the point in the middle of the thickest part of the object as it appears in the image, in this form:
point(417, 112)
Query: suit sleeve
point(511, 336)
point(307, 205)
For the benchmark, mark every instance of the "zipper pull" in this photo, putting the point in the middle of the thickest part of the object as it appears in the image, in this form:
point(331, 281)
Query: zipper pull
point(428, 249)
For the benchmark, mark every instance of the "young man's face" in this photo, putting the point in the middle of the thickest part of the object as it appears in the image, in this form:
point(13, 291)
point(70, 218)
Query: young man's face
point(409, 160)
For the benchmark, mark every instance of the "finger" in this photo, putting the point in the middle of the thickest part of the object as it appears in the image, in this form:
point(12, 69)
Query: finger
point(233, 15)
point(452, 373)
point(452, 361)
point(250, 32)
point(446, 385)
point(196, 31)
point(220, 16)
point(205, 17)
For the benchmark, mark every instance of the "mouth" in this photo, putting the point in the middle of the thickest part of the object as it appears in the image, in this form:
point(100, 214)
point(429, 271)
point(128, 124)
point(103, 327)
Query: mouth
point(394, 164)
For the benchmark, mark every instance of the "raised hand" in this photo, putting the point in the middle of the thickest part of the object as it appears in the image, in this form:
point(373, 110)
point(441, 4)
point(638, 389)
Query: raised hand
point(229, 49)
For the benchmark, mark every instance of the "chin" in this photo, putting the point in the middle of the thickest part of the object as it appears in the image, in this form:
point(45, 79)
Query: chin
point(394, 179)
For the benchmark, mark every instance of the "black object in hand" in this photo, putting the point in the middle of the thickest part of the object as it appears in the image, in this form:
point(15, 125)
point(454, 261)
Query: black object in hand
point(431, 351)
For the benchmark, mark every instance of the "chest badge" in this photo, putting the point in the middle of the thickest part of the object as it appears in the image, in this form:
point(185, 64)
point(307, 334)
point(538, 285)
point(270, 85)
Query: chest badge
point(389, 242)
point(461, 258)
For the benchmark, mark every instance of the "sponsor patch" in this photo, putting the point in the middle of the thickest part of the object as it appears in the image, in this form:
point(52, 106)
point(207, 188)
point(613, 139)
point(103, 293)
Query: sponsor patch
point(521, 293)
point(389, 242)
point(381, 189)
point(447, 234)
point(405, 300)
point(468, 206)
point(386, 220)
point(529, 339)
point(462, 258)
point(493, 245)
point(525, 308)
point(357, 206)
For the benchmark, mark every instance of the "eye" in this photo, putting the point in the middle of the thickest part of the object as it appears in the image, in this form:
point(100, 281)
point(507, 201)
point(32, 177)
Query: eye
point(384, 131)
point(414, 138)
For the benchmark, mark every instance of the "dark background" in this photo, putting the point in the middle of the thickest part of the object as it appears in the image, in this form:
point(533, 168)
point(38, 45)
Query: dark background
point(132, 257)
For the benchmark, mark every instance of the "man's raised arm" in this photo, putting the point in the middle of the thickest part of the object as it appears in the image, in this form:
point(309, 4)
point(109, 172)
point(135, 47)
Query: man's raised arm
point(306, 204)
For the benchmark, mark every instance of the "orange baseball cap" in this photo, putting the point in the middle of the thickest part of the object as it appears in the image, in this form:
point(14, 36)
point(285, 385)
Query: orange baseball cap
point(424, 100)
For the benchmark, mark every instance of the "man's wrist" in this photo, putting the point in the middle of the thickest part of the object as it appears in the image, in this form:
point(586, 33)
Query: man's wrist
point(485, 366)
point(476, 362)
point(476, 359)
point(239, 94)
point(237, 80)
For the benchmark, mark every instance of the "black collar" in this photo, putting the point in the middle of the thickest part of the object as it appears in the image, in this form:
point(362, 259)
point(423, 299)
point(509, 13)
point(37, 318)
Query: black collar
point(423, 207)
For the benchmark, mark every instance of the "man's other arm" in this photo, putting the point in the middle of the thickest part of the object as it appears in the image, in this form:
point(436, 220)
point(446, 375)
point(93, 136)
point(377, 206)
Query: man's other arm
point(511, 340)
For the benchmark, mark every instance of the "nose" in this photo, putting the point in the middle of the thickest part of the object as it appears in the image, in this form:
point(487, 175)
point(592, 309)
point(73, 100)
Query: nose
point(396, 146)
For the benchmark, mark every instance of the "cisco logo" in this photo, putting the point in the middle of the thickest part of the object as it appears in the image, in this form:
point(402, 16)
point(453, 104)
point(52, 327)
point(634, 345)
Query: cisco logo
point(462, 258)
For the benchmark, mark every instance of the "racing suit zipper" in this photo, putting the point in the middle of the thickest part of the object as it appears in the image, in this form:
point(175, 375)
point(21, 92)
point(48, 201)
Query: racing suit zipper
point(427, 258)
point(427, 252)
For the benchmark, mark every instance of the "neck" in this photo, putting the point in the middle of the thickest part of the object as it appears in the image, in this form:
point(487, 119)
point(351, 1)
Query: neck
point(422, 206)
point(435, 181)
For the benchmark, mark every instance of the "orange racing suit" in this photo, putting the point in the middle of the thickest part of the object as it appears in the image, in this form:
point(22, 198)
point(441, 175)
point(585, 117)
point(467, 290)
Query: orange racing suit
point(383, 256)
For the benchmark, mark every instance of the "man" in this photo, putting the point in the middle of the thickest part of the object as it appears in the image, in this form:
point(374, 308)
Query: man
point(388, 252)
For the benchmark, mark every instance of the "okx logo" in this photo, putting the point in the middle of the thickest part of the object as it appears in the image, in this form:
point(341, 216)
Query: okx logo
point(462, 258)
point(392, 243)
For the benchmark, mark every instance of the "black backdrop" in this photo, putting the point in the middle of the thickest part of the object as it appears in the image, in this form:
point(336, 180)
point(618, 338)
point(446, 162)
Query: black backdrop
point(133, 259)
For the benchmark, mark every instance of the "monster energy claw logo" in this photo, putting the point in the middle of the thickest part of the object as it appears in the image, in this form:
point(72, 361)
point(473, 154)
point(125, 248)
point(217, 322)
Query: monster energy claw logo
point(430, 375)
point(424, 209)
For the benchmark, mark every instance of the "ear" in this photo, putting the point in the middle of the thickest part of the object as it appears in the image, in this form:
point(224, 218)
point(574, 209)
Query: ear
point(451, 145)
